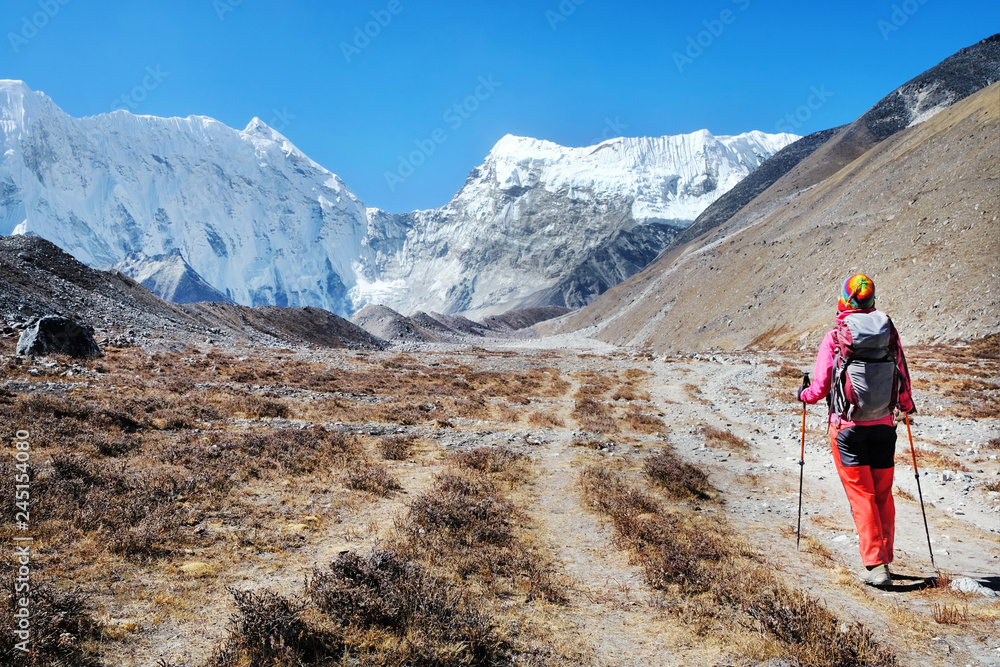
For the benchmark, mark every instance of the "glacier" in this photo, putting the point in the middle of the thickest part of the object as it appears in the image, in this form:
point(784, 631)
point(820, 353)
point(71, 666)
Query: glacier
point(535, 224)
point(539, 224)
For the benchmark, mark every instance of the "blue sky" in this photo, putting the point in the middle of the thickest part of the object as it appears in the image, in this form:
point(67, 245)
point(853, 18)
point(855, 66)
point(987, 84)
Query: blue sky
point(401, 98)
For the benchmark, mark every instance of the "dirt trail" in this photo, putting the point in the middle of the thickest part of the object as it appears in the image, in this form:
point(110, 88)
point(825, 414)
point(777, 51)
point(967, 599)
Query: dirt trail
point(761, 492)
point(610, 602)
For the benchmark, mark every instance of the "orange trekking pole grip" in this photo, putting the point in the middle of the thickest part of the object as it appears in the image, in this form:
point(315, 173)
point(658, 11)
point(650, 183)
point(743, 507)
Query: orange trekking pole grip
point(802, 462)
point(916, 476)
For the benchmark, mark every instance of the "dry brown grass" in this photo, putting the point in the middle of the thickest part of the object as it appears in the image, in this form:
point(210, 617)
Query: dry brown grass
point(396, 447)
point(637, 421)
point(934, 460)
point(374, 610)
point(679, 479)
point(788, 372)
point(716, 437)
point(466, 525)
point(595, 416)
point(545, 419)
point(948, 615)
point(428, 596)
point(370, 478)
point(717, 581)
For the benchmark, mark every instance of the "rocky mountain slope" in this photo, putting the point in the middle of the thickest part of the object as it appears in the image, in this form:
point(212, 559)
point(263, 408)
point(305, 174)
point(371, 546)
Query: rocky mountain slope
point(421, 327)
point(918, 211)
point(539, 224)
point(40, 279)
point(170, 277)
point(955, 78)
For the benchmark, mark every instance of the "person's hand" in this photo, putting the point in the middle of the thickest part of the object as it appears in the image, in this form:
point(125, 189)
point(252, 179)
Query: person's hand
point(805, 385)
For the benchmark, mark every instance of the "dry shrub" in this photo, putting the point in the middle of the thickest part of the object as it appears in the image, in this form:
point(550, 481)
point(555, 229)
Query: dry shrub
point(672, 552)
point(545, 419)
point(696, 556)
point(463, 512)
point(38, 407)
point(371, 478)
point(414, 618)
point(607, 492)
point(465, 526)
point(595, 386)
point(133, 511)
point(62, 629)
point(268, 629)
point(947, 615)
point(629, 393)
point(488, 460)
point(788, 371)
point(496, 384)
point(642, 422)
point(470, 407)
point(800, 625)
point(258, 454)
point(404, 413)
point(716, 437)
point(679, 479)
point(987, 347)
point(396, 447)
point(255, 406)
point(594, 416)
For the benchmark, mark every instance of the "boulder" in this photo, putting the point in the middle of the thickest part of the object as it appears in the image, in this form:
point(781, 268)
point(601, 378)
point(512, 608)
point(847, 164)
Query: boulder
point(58, 335)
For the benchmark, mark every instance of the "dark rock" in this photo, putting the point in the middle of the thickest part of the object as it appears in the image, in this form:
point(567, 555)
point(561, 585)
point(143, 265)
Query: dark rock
point(58, 335)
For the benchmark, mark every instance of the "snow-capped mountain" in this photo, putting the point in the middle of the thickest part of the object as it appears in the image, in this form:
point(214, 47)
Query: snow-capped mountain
point(540, 224)
point(254, 216)
point(536, 224)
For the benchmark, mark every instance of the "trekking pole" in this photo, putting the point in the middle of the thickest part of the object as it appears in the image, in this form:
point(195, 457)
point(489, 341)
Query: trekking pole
point(916, 476)
point(802, 463)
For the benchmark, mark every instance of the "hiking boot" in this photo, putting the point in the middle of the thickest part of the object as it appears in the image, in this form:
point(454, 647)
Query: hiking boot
point(877, 576)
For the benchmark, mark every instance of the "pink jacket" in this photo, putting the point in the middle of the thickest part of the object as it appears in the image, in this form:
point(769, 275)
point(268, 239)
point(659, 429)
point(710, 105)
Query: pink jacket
point(823, 376)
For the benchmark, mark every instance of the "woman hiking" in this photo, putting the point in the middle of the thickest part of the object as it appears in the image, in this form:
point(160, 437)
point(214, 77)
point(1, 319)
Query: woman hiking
point(861, 371)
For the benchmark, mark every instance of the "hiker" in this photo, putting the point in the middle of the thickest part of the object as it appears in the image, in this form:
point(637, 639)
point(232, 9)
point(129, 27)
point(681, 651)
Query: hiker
point(861, 371)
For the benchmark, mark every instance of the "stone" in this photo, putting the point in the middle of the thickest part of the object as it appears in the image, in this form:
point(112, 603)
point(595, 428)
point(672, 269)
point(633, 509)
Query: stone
point(53, 334)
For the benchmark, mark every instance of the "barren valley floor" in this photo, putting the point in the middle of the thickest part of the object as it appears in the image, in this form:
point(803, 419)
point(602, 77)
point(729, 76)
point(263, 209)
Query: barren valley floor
point(505, 503)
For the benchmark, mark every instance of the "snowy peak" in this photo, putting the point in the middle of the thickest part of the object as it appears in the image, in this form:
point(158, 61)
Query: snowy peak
point(669, 176)
point(20, 106)
point(248, 210)
point(539, 224)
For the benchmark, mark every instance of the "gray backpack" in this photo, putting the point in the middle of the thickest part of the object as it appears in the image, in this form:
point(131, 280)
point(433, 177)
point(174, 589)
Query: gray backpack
point(865, 386)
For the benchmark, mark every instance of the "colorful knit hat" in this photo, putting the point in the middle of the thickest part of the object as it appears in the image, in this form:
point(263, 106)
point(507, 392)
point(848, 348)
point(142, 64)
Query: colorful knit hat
point(858, 293)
